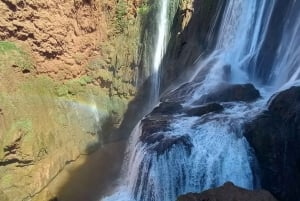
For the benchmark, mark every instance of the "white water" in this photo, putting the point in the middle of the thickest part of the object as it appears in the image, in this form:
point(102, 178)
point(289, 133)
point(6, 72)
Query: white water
point(160, 47)
point(287, 63)
point(243, 28)
point(219, 151)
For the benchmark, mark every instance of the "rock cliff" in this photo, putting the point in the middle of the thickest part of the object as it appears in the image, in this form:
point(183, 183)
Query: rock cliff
point(67, 73)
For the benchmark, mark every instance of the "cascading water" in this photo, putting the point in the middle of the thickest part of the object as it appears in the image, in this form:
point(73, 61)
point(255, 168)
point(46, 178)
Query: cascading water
point(242, 31)
point(287, 64)
point(160, 47)
point(192, 153)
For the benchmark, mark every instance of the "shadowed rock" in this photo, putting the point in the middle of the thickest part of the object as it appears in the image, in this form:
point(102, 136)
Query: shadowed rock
point(230, 93)
point(287, 104)
point(167, 108)
point(155, 134)
point(202, 110)
point(228, 192)
point(182, 93)
point(275, 137)
point(168, 142)
point(154, 124)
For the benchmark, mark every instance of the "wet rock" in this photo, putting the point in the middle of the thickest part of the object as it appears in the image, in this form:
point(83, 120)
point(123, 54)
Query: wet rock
point(275, 137)
point(167, 108)
point(168, 142)
point(155, 135)
point(202, 110)
point(228, 192)
point(182, 93)
point(287, 104)
point(154, 124)
point(229, 93)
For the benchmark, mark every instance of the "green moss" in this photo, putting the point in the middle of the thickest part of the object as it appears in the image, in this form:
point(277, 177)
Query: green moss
point(96, 63)
point(12, 55)
point(19, 129)
point(144, 9)
point(6, 46)
point(41, 86)
point(121, 22)
point(61, 90)
point(84, 80)
point(25, 125)
point(7, 180)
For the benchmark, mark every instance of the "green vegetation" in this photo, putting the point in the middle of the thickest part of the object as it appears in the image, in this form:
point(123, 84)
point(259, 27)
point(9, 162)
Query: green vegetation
point(13, 56)
point(144, 9)
point(24, 125)
point(121, 22)
point(20, 129)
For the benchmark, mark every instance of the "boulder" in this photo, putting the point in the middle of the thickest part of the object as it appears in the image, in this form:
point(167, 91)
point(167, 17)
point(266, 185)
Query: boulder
point(287, 104)
point(167, 108)
point(275, 137)
point(230, 93)
point(155, 135)
point(154, 124)
point(166, 143)
point(228, 192)
point(182, 93)
point(205, 109)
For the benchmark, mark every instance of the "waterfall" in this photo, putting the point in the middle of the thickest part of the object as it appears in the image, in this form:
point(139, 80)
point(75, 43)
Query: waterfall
point(287, 63)
point(242, 31)
point(193, 153)
point(162, 23)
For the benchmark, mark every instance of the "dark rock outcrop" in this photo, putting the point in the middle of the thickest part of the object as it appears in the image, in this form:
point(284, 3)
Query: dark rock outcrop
point(154, 124)
point(181, 94)
point(205, 109)
point(189, 39)
point(229, 93)
point(228, 192)
point(155, 127)
point(167, 108)
point(154, 133)
point(275, 137)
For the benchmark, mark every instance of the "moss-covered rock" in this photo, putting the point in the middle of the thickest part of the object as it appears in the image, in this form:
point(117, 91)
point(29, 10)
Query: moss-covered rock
point(46, 123)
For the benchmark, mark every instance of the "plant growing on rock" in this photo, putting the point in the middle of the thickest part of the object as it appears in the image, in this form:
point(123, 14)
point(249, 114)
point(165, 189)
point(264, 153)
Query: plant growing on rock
point(120, 16)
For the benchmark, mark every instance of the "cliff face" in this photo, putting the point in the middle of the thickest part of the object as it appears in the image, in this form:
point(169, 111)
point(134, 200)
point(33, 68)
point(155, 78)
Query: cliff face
point(64, 36)
point(194, 31)
point(67, 72)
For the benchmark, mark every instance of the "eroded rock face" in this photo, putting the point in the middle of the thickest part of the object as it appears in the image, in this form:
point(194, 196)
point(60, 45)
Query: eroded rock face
point(275, 137)
point(228, 192)
point(65, 36)
point(66, 70)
